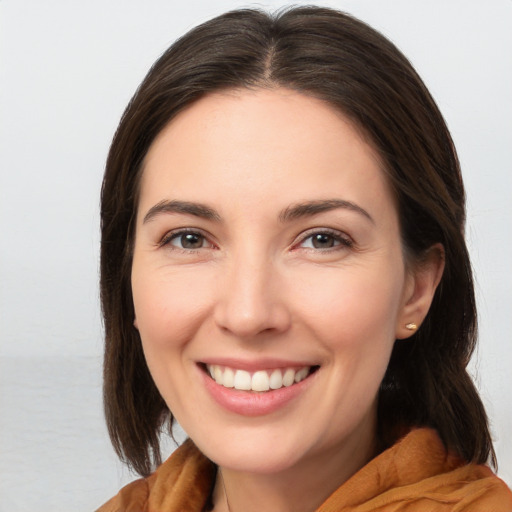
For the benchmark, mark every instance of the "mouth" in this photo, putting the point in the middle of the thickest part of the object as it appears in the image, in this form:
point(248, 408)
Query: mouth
point(260, 381)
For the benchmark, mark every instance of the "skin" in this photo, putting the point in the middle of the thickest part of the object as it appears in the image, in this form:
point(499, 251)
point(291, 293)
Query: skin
point(256, 286)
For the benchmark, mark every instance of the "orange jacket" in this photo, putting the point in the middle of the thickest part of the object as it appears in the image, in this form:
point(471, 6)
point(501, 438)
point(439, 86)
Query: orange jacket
point(415, 475)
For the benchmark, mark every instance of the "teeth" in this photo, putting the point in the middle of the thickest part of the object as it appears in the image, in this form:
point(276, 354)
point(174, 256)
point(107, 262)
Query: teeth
point(276, 379)
point(301, 374)
point(261, 380)
point(217, 375)
point(289, 377)
point(228, 380)
point(243, 380)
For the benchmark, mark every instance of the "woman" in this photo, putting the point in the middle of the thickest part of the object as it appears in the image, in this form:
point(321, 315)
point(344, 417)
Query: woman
point(284, 271)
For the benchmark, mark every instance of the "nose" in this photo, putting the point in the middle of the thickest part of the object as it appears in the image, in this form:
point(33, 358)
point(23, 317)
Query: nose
point(252, 299)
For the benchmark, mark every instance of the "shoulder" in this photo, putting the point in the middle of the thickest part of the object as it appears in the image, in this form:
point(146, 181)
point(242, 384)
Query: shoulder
point(418, 474)
point(131, 498)
point(182, 482)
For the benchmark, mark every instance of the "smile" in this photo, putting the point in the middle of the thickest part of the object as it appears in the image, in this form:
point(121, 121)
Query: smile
point(256, 388)
point(261, 380)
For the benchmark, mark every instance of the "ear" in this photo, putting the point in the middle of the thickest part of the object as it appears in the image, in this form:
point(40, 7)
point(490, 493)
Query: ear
point(135, 323)
point(420, 287)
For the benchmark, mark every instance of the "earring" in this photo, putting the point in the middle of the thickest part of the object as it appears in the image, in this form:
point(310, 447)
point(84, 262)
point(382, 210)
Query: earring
point(411, 327)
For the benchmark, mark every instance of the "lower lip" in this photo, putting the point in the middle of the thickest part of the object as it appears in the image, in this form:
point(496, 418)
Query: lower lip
point(251, 403)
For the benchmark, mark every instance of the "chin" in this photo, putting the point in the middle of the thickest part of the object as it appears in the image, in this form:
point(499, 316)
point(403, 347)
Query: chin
point(255, 452)
point(255, 461)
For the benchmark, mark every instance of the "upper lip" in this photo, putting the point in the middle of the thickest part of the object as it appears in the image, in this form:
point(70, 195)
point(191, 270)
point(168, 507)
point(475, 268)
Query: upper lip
point(254, 365)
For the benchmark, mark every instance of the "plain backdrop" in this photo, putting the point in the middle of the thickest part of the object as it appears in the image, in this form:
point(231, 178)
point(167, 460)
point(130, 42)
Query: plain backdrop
point(67, 70)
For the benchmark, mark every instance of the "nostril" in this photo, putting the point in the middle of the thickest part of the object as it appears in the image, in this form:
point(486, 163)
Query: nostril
point(247, 319)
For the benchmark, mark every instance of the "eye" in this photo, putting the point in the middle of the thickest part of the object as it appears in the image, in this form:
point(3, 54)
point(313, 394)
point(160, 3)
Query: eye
point(186, 240)
point(325, 240)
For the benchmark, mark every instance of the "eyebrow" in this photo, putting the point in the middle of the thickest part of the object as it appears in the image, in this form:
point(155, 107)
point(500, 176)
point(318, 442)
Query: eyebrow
point(311, 208)
point(186, 207)
point(296, 211)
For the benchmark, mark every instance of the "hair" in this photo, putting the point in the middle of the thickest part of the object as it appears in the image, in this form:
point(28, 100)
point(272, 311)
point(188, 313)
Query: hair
point(331, 56)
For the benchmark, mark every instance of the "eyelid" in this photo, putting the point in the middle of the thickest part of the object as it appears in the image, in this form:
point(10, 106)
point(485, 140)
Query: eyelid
point(340, 236)
point(175, 233)
point(344, 239)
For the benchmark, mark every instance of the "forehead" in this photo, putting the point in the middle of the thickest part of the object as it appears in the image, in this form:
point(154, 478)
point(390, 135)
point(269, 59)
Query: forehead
point(249, 145)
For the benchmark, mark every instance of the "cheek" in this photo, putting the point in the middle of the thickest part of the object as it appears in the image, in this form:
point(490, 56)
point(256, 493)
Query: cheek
point(352, 306)
point(168, 308)
point(352, 315)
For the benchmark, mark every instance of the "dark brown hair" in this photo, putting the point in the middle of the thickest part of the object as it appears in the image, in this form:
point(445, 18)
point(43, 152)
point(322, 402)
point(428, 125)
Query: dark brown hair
point(334, 57)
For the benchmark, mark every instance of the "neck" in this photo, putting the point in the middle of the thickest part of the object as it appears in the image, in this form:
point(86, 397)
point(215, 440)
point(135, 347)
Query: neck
point(302, 488)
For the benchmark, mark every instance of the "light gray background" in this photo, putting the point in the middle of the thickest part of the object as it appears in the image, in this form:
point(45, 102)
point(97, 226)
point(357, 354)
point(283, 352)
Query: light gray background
point(68, 68)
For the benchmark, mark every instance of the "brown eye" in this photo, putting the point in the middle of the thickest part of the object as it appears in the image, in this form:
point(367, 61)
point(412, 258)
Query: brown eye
point(325, 240)
point(188, 240)
point(322, 241)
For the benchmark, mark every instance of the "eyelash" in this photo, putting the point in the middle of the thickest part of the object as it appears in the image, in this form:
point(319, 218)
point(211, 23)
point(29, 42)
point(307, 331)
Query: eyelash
point(341, 240)
point(173, 235)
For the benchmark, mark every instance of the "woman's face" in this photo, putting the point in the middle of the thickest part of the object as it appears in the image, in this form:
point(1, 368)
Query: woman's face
point(268, 254)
